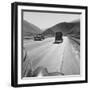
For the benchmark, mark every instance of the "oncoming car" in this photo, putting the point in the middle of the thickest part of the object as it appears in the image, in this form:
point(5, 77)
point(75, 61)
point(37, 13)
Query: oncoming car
point(39, 37)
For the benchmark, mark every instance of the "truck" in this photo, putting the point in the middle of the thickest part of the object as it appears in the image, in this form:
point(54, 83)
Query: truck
point(58, 37)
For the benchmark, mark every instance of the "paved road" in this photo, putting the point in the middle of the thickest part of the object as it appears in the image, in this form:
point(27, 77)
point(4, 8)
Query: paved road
point(55, 57)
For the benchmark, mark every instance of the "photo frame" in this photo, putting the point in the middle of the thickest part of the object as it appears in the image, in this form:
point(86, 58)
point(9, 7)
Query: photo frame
point(49, 44)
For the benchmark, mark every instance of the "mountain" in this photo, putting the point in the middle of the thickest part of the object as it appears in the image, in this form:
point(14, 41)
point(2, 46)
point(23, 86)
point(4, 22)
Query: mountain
point(48, 32)
point(64, 27)
point(29, 29)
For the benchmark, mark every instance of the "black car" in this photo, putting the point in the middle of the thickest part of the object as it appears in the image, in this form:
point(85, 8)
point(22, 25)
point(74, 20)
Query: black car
point(39, 37)
point(58, 37)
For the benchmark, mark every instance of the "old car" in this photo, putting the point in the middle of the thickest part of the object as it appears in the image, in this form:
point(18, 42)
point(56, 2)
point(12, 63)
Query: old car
point(39, 37)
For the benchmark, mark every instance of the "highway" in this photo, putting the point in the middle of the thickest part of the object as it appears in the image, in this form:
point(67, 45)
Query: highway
point(60, 57)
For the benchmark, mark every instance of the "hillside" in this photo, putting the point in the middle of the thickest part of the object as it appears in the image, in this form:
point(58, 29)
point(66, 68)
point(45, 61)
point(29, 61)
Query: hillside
point(65, 28)
point(30, 29)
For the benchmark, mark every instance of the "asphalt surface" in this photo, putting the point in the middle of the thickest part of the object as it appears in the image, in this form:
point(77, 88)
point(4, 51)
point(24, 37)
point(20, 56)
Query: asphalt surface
point(60, 57)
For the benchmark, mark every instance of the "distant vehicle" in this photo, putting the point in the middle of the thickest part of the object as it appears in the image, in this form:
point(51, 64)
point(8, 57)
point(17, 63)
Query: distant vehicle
point(58, 37)
point(39, 37)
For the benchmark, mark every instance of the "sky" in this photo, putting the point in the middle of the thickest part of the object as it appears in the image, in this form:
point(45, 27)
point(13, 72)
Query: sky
point(45, 20)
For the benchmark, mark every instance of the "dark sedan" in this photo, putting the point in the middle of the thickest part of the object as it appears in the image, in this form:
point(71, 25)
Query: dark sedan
point(38, 37)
